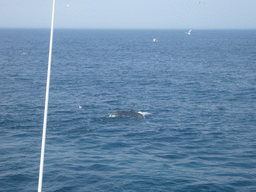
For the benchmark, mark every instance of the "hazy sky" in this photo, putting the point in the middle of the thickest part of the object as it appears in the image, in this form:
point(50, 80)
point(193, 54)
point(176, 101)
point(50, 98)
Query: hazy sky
point(149, 14)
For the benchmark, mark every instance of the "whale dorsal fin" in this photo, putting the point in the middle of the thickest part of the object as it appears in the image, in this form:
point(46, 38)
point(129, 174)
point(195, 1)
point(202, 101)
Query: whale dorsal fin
point(132, 111)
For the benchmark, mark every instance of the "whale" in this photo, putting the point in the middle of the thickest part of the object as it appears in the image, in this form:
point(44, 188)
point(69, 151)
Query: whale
point(130, 113)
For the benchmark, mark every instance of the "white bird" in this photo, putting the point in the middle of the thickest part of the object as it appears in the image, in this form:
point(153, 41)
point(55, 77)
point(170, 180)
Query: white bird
point(154, 40)
point(189, 32)
point(69, 4)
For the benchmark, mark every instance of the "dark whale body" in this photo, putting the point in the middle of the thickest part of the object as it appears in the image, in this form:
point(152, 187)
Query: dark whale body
point(130, 113)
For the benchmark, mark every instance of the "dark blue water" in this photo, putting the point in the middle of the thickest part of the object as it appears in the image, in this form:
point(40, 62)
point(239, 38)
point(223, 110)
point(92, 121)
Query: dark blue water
point(198, 91)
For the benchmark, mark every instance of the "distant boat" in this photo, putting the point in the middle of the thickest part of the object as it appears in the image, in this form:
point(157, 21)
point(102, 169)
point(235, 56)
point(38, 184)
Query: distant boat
point(154, 40)
point(189, 32)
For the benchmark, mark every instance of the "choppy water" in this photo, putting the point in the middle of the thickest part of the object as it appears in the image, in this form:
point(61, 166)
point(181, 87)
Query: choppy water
point(199, 91)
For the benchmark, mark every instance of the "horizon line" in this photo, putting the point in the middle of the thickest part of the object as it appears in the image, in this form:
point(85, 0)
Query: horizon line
point(80, 28)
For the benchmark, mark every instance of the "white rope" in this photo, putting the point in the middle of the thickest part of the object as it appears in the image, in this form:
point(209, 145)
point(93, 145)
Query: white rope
point(40, 180)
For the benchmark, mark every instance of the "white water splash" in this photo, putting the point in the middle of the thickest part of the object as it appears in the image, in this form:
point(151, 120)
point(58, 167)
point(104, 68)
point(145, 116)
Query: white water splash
point(144, 113)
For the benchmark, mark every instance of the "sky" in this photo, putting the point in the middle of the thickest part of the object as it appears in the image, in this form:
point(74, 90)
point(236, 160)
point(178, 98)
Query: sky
point(130, 14)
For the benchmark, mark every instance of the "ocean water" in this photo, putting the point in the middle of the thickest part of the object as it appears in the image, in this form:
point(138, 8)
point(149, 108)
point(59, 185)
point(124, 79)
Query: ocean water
point(198, 92)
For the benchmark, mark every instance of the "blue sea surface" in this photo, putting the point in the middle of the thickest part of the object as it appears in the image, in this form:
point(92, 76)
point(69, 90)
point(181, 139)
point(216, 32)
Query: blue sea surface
point(198, 94)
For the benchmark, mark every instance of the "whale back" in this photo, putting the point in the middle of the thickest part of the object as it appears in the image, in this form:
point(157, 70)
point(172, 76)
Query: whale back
point(130, 113)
